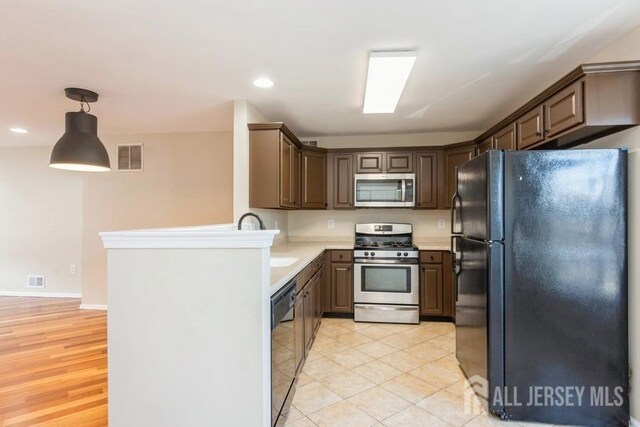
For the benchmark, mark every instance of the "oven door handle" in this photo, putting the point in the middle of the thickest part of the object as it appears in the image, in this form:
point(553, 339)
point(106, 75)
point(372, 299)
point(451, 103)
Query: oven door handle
point(385, 307)
point(391, 262)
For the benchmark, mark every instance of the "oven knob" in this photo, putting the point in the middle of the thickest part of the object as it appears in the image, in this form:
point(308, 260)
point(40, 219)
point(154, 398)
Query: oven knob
point(406, 254)
point(366, 254)
point(373, 253)
point(398, 254)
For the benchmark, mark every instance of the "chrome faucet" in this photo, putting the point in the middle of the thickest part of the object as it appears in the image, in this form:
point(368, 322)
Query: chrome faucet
point(262, 227)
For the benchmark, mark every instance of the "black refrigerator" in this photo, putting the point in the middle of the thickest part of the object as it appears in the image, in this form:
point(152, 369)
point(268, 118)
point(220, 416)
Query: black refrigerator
point(539, 247)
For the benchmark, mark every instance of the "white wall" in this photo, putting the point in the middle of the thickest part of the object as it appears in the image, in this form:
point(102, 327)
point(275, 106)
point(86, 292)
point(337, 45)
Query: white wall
point(187, 180)
point(40, 222)
point(628, 48)
point(244, 113)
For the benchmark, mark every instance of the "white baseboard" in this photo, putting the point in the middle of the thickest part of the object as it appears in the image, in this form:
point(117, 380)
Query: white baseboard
point(93, 306)
point(40, 294)
point(634, 422)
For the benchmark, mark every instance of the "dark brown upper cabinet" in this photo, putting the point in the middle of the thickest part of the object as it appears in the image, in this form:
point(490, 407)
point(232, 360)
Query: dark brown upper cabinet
point(427, 180)
point(563, 110)
point(369, 162)
point(591, 101)
point(274, 170)
point(505, 139)
point(341, 180)
point(398, 162)
point(530, 131)
point(452, 158)
point(314, 179)
point(385, 162)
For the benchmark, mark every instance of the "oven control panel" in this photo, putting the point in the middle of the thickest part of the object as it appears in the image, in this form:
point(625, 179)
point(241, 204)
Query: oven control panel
point(394, 254)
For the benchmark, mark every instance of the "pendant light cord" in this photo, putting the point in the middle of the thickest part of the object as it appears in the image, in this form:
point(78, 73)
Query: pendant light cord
point(82, 105)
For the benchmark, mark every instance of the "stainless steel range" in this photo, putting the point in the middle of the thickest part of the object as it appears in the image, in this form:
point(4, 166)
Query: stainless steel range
point(386, 274)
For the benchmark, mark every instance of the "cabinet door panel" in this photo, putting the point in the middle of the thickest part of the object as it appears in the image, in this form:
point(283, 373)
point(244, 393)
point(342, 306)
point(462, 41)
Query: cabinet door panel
point(295, 176)
point(341, 288)
point(427, 180)
point(343, 181)
point(529, 128)
point(431, 290)
point(399, 162)
point(453, 158)
point(369, 163)
point(314, 180)
point(309, 321)
point(286, 161)
point(326, 284)
point(505, 139)
point(485, 145)
point(564, 110)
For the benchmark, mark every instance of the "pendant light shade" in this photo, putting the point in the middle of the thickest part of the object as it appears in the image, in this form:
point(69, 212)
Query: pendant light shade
point(80, 149)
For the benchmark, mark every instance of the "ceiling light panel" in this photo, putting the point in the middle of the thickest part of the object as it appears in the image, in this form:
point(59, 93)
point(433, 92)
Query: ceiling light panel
point(386, 78)
point(19, 130)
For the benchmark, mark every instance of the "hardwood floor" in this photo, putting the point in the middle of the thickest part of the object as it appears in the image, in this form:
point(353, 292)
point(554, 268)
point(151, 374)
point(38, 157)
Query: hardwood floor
point(53, 363)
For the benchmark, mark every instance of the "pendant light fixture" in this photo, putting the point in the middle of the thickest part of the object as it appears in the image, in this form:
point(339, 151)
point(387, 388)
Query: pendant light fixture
point(79, 149)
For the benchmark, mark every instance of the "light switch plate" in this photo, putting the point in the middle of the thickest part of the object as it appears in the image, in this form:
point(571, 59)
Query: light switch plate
point(331, 224)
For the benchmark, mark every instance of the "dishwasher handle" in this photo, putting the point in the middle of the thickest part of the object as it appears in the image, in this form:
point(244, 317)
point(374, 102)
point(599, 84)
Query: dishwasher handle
point(282, 302)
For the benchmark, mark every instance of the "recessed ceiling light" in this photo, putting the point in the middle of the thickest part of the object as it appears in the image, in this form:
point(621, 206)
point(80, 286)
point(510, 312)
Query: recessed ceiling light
point(263, 82)
point(19, 130)
point(387, 75)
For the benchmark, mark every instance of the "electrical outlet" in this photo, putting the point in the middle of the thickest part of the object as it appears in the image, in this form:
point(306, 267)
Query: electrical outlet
point(276, 224)
point(331, 224)
point(441, 223)
point(73, 269)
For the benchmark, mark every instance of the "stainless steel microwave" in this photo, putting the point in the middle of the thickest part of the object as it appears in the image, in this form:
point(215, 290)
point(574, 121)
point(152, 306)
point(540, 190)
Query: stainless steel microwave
point(384, 190)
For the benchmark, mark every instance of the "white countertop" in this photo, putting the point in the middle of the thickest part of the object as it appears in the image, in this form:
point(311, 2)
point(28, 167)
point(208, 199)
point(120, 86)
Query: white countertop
point(307, 251)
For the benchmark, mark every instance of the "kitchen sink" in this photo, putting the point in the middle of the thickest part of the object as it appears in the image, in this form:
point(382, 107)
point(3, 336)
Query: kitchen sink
point(282, 261)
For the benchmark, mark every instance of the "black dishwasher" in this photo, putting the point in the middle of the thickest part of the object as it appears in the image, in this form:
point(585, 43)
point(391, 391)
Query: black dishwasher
point(283, 361)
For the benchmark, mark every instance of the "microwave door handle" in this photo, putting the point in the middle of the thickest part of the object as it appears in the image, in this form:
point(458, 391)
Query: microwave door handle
point(404, 190)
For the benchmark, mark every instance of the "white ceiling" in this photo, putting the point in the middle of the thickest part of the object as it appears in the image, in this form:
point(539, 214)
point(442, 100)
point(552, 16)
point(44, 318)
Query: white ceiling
point(175, 66)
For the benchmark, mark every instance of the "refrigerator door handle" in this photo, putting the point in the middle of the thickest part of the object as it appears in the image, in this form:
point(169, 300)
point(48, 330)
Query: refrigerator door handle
point(455, 268)
point(454, 205)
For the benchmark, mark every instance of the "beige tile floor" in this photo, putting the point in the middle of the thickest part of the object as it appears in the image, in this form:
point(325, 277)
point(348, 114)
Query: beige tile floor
point(363, 374)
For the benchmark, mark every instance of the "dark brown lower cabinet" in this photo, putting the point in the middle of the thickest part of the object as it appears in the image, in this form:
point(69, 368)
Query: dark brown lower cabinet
point(341, 287)
point(326, 283)
point(431, 289)
point(309, 318)
point(437, 297)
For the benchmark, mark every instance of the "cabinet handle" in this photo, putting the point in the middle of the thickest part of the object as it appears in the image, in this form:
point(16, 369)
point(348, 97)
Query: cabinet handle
point(538, 133)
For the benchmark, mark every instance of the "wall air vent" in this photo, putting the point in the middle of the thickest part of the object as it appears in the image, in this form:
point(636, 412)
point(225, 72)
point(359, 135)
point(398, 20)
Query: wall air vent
point(130, 158)
point(35, 281)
